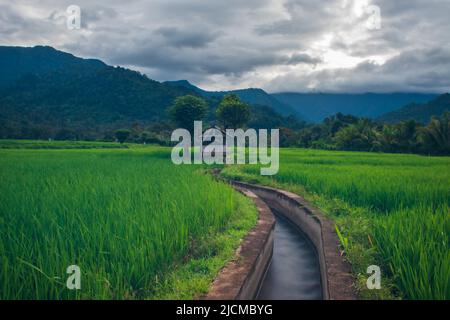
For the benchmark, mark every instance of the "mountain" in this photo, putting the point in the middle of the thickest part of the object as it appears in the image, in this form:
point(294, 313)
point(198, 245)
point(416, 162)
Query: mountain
point(18, 61)
point(186, 84)
point(46, 93)
point(419, 112)
point(317, 106)
point(53, 90)
point(253, 96)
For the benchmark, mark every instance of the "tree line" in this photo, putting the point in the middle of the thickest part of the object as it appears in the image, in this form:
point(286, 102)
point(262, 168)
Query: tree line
point(231, 112)
point(338, 132)
point(347, 132)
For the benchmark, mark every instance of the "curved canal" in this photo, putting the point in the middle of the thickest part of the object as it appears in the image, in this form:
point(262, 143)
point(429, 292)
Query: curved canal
point(294, 272)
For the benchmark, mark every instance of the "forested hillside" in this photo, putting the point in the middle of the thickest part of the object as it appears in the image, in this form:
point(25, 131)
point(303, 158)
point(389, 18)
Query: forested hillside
point(46, 93)
point(420, 112)
point(254, 96)
point(317, 106)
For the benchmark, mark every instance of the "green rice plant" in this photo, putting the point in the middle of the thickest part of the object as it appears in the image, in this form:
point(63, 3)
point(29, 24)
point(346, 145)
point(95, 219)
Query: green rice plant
point(400, 202)
point(343, 240)
point(53, 144)
point(415, 244)
point(127, 218)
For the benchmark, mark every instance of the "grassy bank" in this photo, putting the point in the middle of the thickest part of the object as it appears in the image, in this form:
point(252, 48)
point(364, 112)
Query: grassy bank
point(392, 211)
point(136, 225)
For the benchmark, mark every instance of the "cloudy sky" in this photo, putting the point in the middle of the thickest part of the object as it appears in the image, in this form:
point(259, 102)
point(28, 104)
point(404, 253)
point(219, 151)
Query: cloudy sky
point(278, 45)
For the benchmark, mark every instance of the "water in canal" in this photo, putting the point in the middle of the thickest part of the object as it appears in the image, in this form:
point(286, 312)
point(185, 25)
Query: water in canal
point(294, 272)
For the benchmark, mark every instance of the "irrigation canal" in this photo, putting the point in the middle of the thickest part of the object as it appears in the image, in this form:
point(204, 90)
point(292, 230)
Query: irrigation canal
point(294, 272)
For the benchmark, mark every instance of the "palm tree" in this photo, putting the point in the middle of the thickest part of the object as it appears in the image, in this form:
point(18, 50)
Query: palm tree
point(435, 137)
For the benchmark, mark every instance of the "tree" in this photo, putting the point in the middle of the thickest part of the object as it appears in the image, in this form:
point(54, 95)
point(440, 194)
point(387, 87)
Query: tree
point(232, 112)
point(149, 137)
point(287, 137)
point(122, 135)
point(435, 138)
point(187, 109)
point(407, 135)
point(360, 136)
point(66, 134)
point(136, 131)
point(386, 139)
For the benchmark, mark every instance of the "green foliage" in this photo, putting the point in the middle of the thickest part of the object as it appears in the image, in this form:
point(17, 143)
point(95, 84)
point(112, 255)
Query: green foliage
point(187, 109)
point(435, 138)
point(342, 132)
point(263, 117)
point(252, 96)
point(287, 137)
point(207, 257)
point(115, 215)
point(232, 112)
point(418, 254)
point(358, 136)
point(122, 135)
point(419, 112)
point(57, 95)
point(343, 240)
point(46, 144)
point(46, 93)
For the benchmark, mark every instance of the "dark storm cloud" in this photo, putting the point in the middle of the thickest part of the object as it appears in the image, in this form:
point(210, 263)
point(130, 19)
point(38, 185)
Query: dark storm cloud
point(10, 21)
point(186, 38)
point(298, 58)
point(305, 18)
point(94, 14)
point(275, 44)
point(174, 60)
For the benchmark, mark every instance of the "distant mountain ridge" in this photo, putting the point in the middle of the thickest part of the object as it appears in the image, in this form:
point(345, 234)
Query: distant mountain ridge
point(419, 112)
point(43, 90)
point(318, 106)
point(255, 96)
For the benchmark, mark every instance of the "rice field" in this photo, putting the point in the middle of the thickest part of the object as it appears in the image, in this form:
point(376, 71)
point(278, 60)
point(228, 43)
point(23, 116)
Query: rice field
point(54, 144)
point(130, 220)
point(393, 210)
point(140, 227)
